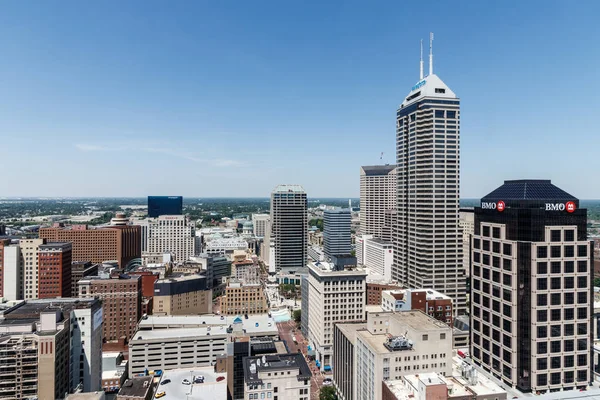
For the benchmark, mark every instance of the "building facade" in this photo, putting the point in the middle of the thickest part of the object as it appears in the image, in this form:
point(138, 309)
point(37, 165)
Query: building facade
point(289, 227)
point(377, 195)
point(172, 234)
point(29, 252)
point(12, 271)
point(182, 295)
point(335, 296)
point(54, 270)
point(164, 205)
point(531, 288)
point(121, 303)
point(337, 237)
point(260, 224)
point(432, 303)
point(427, 237)
point(467, 221)
point(243, 298)
point(79, 270)
point(119, 243)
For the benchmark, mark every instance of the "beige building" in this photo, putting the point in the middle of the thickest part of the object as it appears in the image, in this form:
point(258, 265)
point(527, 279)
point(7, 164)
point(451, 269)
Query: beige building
point(377, 195)
point(168, 234)
point(279, 376)
point(182, 295)
point(260, 224)
point(243, 298)
point(388, 346)
point(333, 296)
point(467, 226)
point(29, 251)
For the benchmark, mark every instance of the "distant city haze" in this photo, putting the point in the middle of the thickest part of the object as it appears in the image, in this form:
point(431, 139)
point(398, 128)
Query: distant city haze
point(211, 99)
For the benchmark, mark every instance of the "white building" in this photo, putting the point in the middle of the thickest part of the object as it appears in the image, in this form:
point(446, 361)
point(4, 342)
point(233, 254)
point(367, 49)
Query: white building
point(388, 346)
point(260, 222)
point(377, 195)
point(378, 256)
point(427, 237)
point(12, 281)
point(467, 225)
point(173, 234)
point(213, 386)
point(279, 376)
point(335, 296)
point(226, 246)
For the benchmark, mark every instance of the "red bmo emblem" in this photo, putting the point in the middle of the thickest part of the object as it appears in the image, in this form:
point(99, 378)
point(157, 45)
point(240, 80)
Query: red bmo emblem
point(570, 206)
point(500, 206)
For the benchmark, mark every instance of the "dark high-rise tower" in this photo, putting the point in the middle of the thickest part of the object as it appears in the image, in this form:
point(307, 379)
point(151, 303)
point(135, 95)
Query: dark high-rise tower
point(164, 205)
point(427, 236)
point(531, 288)
point(289, 227)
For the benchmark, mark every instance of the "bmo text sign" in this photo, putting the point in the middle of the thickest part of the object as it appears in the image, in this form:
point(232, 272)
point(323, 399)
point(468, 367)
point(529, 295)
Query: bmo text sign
point(569, 206)
point(490, 205)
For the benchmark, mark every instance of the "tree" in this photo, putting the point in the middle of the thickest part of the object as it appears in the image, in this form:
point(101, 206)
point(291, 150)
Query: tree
point(327, 393)
point(297, 315)
point(596, 281)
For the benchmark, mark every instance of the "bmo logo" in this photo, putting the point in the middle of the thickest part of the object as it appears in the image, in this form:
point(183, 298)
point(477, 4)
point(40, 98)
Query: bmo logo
point(500, 206)
point(569, 206)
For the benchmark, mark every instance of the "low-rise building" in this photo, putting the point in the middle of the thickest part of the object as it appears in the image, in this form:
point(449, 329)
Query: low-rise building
point(171, 342)
point(429, 301)
point(114, 371)
point(225, 246)
point(139, 388)
point(281, 377)
point(79, 270)
point(241, 298)
point(376, 286)
point(204, 384)
point(182, 295)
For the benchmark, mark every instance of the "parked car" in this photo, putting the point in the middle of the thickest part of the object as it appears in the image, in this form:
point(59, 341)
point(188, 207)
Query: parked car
point(186, 382)
point(160, 394)
point(220, 378)
point(199, 379)
point(327, 382)
point(165, 381)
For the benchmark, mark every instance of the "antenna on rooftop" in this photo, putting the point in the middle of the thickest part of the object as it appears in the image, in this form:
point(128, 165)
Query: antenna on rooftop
point(430, 53)
point(421, 63)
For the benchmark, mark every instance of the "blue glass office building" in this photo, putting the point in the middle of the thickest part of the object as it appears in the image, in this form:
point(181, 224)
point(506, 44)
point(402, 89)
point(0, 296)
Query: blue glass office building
point(164, 205)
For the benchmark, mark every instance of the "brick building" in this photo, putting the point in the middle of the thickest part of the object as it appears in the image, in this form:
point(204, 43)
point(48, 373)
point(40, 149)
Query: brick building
point(79, 270)
point(374, 290)
point(120, 243)
point(121, 306)
point(54, 270)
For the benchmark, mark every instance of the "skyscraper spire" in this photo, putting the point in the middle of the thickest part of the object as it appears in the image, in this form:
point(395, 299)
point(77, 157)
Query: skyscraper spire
point(430, 53)
point(421, 63)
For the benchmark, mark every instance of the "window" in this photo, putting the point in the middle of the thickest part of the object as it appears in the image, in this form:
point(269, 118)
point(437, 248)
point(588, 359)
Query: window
point(582, 266)
point(555, 267)
point(555, 346)
point(569, 267)
point(555, 251)
point(555, 299)
point(555, 283)
point(582, 250)
point(542, 332)
point(542, 268)
point(568, 361)
point(581, 297)
point(568, 345)
point(542, 379)
point(569, 282)
point(555, 330)
point(555, 315)
point(542, 284)
point(476, 243)
point(507, 279)
point(542, 363)
point(425, 337)
point(442, 336)
point(569, 235)
point(542, 252)
point(507, 264)
point(569, 329)
point(555, 378)
point(542, 299)
point(569, 251)
point(582, 313)
point(569, 314)
point(486, 233)
point(569, 298)
point(555, 236)
point(582, 282)
point(542, 316)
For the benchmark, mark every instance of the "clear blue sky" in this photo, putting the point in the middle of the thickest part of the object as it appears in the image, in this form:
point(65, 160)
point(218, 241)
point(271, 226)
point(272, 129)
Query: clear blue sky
point(231, 98)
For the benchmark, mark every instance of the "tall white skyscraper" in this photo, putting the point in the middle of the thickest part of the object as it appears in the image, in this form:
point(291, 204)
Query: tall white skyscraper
point(289, 228)
point(377, 195)
point(259, 223)
point(427, 237)
point(168, 234)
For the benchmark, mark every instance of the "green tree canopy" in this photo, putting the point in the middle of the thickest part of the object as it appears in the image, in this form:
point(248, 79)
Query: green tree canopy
point(327, 393)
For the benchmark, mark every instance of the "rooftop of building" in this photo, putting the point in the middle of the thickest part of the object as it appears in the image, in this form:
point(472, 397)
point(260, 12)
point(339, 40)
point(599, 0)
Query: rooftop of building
point(209, 389)
point(371, 170)
point(55, 245)
point(380, 241)
point(173, 333)
point(277, 362)
point(289, 189)
point(399, 294)
point(528, 189)
point(180, 278)
point(136, 387)
point(31, 309)
point(337, 210)
point(113, 364)
point(328, 269)
point(349, 329)
point(86, 396)
point(253, 324)
point(430, 86)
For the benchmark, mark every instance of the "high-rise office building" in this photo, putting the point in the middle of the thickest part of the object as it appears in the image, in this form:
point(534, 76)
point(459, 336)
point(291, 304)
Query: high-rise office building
point(289, 227)
point(54, 270)
point(164, 205)
point(173, 234)
point(337, 236)
point(118, 243)
point(11, 287)
point(427, 237)
point(377, 195)
point(29, 252)
point(259, 223)
point(531, 288)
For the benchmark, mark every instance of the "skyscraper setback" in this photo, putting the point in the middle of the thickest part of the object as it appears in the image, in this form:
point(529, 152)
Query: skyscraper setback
point(427, 237)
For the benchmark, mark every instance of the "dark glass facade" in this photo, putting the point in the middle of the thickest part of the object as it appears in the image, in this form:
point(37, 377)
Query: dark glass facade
point(164, 205)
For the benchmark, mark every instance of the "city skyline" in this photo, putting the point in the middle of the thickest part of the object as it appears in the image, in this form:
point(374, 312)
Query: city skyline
point(208, 93)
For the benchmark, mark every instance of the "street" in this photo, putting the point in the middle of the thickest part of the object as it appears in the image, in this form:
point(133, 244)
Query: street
point(286, 331)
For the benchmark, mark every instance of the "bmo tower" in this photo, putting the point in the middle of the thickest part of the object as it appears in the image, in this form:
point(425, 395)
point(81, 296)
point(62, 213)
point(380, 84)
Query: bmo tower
point(531, 288)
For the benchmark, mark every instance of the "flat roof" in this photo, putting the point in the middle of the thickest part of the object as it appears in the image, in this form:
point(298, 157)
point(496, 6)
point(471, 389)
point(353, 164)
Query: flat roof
point(288, 189)
point(327, 269)
point(136, 387)
point(209, 390)
point(266, 324)
point(349, 330)
point(275, 362)
point(371, 170)
point(172, 333)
